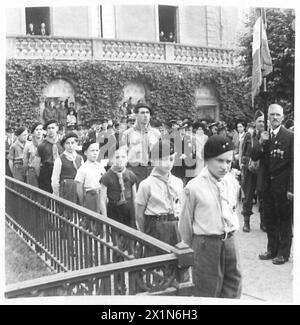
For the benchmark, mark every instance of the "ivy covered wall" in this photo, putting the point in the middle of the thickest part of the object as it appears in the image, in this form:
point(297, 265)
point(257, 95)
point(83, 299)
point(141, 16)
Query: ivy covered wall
point(99, 89)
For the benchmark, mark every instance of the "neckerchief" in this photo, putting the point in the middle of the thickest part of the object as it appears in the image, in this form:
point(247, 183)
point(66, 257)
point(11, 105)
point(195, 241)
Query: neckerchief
point(71, 157)
point(121, 180)
point(53, 141)
point(20, 144)
point(223, 201)
point(171, 190)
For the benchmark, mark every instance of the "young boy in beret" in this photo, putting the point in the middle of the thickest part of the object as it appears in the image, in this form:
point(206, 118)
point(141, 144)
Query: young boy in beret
point(88, 177)
point(16, 154)
point(158, 196)
point(29, 159)
point(208, 222)
point(118, 185)
point(65, 169)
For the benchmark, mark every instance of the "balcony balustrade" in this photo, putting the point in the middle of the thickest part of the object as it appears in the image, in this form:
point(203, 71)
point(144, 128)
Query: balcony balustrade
point(61, 48)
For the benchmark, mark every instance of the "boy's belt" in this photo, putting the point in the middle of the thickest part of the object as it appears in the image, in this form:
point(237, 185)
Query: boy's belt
point(18, 161)
point(162, 217)
point(223, 236)
point(93, 192)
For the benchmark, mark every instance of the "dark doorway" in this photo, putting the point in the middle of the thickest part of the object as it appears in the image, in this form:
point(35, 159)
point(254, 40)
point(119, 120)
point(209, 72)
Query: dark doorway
point(38, 16)
point(167, 23)
point(209, 112)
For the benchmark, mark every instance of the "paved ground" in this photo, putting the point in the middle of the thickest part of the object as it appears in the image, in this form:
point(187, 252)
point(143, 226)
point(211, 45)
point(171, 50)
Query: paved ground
point(263, 281)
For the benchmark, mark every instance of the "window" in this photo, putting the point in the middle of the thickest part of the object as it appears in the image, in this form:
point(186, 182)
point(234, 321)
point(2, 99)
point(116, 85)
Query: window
point(167, 23)
point(38, 21)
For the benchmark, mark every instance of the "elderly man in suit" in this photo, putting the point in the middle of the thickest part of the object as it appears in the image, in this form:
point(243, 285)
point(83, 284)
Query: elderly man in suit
point(276, 149)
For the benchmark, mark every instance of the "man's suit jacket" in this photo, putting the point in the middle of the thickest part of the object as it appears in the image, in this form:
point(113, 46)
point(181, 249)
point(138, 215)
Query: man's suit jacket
point(277, 155)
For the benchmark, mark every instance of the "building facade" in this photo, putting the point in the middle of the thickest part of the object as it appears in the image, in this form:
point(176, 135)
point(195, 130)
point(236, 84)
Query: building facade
point(181, 35)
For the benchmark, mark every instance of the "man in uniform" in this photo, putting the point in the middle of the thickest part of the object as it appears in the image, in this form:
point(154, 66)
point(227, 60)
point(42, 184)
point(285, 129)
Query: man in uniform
point(139, 140)
point(277, 149)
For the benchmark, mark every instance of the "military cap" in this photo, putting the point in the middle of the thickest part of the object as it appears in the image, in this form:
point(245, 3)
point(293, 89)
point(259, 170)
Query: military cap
point(67, 136)
point(216, 145)
point(48, 123)
point(258, 114)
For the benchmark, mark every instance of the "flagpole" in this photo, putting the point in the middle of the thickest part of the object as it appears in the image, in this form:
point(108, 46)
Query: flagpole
point(264, 93)
point(264, 96)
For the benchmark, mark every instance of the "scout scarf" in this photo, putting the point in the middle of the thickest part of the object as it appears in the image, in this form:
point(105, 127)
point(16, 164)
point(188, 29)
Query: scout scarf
point(72, 157)
point(228, 212)
point(171, 190)
point(121, 181)
point(53, 141)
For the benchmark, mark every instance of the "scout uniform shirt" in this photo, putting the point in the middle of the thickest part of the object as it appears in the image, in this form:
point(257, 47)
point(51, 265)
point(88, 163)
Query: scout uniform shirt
point(139, 143)
point(159, 194)
point(208, 208)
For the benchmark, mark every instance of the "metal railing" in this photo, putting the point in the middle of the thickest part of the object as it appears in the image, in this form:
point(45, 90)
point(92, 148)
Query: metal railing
point(64, 48)
point(97, 255)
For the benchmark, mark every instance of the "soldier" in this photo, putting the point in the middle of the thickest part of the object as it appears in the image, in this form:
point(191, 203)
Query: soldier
point(208, 222)
point(276, 148)
point(249, 175)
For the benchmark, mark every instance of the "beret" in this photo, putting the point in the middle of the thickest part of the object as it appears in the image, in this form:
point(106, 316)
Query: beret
point(258, 114)
point(67, 136)
point(20, 130)
point(161, 149)
point(216, 145)
point(142, 105)
point(35, 125)
point(87, 143)
point(49, 122)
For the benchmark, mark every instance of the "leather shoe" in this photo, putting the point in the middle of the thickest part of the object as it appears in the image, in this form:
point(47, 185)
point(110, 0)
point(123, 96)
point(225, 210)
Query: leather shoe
point(279, 260)
point(246, 227)
point(266, 256)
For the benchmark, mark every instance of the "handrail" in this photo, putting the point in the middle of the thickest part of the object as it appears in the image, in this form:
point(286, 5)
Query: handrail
point(144, 238)
point(81, 276)
point(95, 255)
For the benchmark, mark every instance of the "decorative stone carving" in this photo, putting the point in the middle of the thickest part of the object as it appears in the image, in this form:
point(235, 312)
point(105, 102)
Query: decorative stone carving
point(53, 48)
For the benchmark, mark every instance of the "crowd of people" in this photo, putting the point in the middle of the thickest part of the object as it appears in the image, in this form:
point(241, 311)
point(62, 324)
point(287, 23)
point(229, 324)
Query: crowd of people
point(176, 181)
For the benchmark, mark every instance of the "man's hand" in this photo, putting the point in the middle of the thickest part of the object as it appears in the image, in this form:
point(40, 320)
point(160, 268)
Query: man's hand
point(264, 136)
point(290, 196)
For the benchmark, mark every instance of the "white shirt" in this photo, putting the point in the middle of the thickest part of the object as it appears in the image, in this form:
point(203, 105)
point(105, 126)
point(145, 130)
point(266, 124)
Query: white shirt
point(202, 210)
point(275, 131)
point(90, 174)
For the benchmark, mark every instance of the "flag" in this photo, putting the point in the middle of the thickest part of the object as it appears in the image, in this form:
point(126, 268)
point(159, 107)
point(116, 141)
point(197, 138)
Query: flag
point(261, 58)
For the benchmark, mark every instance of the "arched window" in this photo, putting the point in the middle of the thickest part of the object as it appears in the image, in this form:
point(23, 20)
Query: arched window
point(207, 105)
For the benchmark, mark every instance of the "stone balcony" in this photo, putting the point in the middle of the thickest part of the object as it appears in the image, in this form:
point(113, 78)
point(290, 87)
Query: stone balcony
point(62, 48)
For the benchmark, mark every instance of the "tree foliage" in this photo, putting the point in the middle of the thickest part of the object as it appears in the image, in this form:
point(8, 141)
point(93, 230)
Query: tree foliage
point(281, 39)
